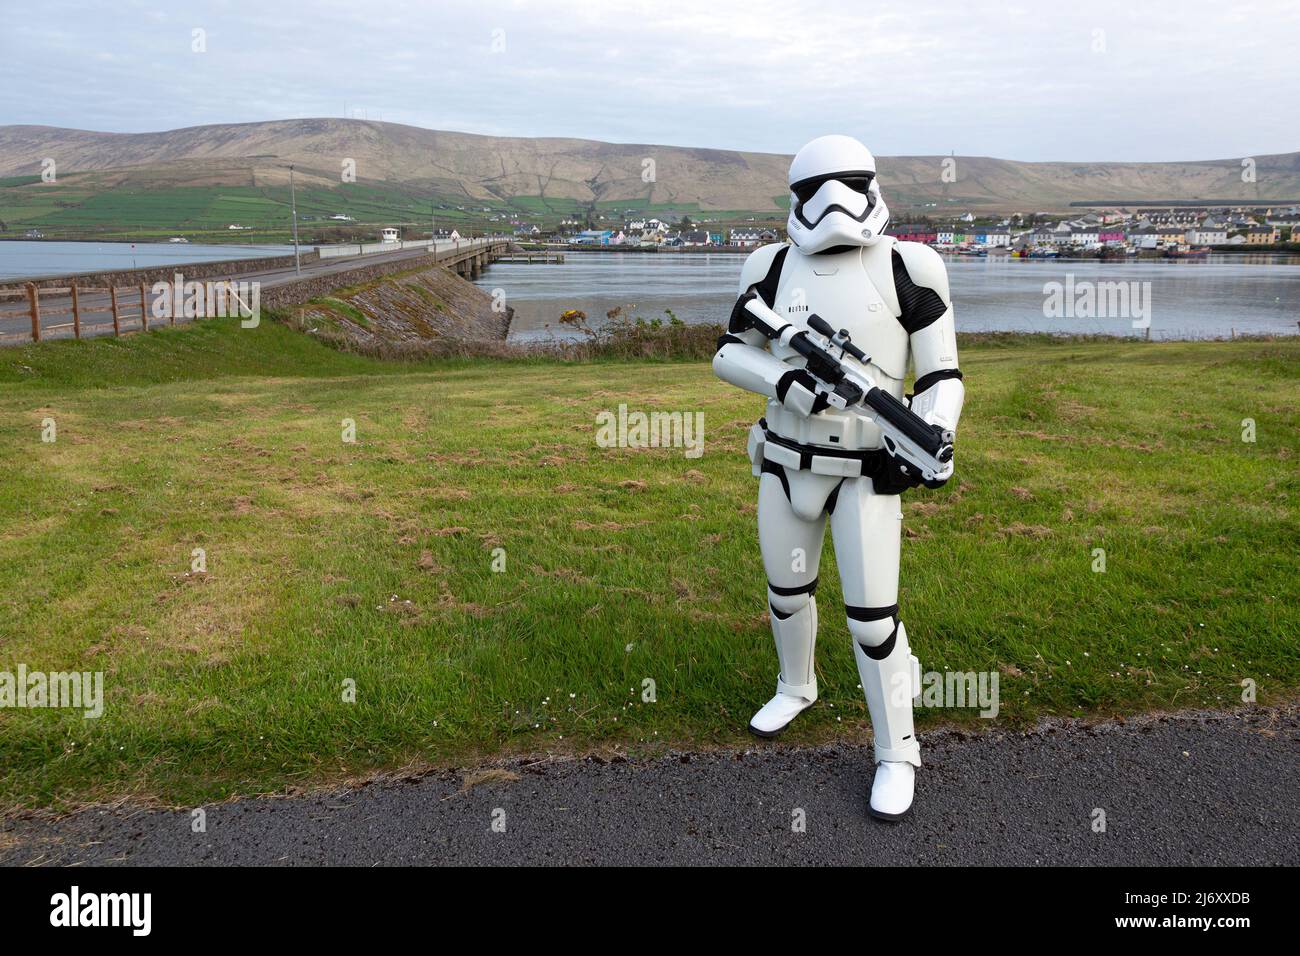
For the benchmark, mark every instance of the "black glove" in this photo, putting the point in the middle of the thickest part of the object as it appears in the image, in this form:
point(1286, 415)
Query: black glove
point(894, 476)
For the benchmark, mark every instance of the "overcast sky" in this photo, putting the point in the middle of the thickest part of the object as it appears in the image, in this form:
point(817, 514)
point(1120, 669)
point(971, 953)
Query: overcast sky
point(1041, 80)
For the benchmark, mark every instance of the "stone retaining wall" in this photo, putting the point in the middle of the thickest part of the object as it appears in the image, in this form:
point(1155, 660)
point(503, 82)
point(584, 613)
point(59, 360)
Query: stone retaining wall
point(427, 302)
point(298, 291)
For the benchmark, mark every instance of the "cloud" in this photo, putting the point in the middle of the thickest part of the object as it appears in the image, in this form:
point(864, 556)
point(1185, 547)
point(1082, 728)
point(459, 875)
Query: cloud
point(1105, 80)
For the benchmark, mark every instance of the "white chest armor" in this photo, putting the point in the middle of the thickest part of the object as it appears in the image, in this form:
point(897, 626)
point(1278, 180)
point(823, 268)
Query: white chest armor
point(851, 290)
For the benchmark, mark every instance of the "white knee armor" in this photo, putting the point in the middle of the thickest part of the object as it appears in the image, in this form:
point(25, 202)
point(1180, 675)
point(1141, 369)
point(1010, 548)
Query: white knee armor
point(819, 464)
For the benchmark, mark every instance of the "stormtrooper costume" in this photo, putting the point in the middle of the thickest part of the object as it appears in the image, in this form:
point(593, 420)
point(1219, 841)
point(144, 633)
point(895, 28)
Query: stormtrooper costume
point(817, 463)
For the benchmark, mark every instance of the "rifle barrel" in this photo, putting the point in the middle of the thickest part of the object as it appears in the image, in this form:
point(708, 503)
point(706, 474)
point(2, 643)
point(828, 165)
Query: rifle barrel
point(905, 420)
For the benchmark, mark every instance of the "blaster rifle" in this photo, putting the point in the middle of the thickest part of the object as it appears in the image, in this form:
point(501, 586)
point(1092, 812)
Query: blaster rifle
point(908, 437)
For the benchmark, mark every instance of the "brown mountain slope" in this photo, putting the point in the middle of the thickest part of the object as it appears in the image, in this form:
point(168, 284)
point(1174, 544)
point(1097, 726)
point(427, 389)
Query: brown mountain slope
point(585, 170)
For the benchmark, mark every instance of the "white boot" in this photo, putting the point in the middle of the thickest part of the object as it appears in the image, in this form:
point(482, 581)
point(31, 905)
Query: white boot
point(891, 791)
point(885, 668)
point(794, 625)
point(774, 716)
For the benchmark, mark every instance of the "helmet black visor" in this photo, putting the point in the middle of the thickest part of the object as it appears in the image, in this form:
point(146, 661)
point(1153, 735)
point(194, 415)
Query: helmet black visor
point(805, 189)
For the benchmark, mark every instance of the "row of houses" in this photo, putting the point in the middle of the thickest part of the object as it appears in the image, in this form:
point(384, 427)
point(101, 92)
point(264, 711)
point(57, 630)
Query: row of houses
point(740, 238)
point(1231, 219)
point(1203, 235)
point(1153, 228)
point(1058, 235)
point(1101, 230)
point(956, 235)
point(1145, 235)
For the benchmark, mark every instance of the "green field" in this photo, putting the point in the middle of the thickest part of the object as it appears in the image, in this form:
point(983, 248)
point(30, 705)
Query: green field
point(78, 206)
point(75, 206)
point(372, 562)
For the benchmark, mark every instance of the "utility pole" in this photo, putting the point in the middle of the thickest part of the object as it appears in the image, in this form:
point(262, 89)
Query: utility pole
point(293, 203)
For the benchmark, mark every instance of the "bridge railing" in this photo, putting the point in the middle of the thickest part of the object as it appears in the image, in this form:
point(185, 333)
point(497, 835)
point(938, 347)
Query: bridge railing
point(371, 248)
point(129, 306)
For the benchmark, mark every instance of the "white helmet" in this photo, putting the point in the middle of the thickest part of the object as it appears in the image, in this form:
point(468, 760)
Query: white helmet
point(834, 197)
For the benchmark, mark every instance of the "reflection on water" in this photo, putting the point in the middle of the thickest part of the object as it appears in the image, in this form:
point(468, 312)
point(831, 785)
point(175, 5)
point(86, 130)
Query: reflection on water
point(40, 258)
point(1188, 299)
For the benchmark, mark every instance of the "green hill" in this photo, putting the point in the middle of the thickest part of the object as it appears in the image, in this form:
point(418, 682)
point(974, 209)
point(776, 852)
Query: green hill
point(201, 179)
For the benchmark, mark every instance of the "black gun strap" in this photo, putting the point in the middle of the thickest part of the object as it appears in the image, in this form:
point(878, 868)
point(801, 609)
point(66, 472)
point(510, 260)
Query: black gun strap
point(766, 289)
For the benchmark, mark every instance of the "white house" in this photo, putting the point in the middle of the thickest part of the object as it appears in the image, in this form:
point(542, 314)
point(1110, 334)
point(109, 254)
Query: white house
point(747, 237)
point(1207, 236)
point(1077, 235)
point(389, 235)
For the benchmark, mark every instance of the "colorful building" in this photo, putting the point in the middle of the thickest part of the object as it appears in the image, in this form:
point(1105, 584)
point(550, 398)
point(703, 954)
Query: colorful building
point(914, 233)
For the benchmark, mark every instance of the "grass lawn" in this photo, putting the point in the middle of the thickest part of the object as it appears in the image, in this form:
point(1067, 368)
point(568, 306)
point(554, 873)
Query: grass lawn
point(371, 562)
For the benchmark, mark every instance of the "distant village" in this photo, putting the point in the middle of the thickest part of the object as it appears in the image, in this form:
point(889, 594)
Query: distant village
point(1175, 231)
point(1157, 230)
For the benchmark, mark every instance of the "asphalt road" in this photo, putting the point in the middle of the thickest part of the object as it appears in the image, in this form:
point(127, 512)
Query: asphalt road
point(1193, 789)
point(57, 310)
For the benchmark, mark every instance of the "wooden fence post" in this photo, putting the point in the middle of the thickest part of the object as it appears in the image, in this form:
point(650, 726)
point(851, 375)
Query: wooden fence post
point(76, 313)
point(143, 307)
point(117, 322)
point(34, 300)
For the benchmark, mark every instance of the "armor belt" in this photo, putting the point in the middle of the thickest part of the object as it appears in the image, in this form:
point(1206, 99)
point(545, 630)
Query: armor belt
point(821, 460)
